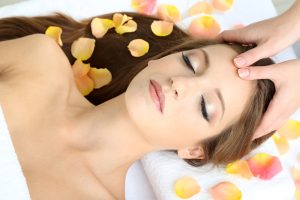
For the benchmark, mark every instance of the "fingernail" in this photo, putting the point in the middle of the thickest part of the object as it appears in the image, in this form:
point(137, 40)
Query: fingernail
point(239, 61)
point(244, 72)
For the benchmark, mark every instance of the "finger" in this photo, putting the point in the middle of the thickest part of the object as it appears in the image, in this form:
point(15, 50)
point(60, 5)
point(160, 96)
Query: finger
point(231, 36)
point(258, 72)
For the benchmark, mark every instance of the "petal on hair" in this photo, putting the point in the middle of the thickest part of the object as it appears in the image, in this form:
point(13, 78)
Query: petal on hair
point(201, 7)
point(240, 168)
point(55, 33)
point(143, 6)
point(84, 84)
point(101, 77)
point(138, 47)
point(264, 166)
point(225, 191)
point(101, 26)
point(290, 130)
point(281, 143)
point(119, 19)
point(162, 28)
point(204, 27)
point(186, 187)
point(128, 27)
point(168, 13)
point(80, 69)
point(83, 48)
point(222, 5)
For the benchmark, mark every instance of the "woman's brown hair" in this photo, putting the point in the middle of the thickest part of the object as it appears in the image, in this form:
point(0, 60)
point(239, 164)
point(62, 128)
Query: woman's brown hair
point(111, 52)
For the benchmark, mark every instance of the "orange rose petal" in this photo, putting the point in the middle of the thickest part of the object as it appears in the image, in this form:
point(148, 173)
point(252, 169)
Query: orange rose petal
point(119, 19)
point(264, 166)
point(204, 27)
point(143, 6)
point(83, 48)
point(138, 47)
point(101, 77)
point(295, 173)
point(101, 26)
point(84, 84)
point(168, 13)
point(225, 191)
point(80, 69)
point(55, 33)
point(290, 130)
point(186, 187)
point(162, 28)
point(128, 27)
point(200, 7)
point(240, 168)
point(222, 5)
point(281, 143)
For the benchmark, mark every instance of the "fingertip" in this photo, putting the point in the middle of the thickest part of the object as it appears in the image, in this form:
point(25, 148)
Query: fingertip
point(240, 61)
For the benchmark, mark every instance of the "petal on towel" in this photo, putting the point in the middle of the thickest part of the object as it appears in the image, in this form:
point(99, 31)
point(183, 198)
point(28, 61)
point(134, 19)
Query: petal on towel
point(83, 48)
point(55, 33)
point(80, 69)
point(84, 84)
point(290, 130)
point(264, 166)
point(186, 187)
point(222, 5)
point(295, 174)
point(201, 7)
point(101, 77)
point(168, 12)
point(204, 27)
point(119, 19)
point(240, 168)
point(143, 6)
point(128, 27)
point(281, 143)
point(225, 191)
point(138, 47)
point(100, 26)
point(297, 193)
point(162, 28)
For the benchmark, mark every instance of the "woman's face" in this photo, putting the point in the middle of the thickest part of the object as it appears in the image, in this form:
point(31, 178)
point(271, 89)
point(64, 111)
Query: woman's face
point(196, 106)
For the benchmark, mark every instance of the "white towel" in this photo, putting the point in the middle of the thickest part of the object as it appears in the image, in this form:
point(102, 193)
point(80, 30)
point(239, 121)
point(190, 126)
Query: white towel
point(13, 184)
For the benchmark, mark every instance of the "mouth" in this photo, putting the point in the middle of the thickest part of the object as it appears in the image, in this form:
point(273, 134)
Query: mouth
point(157, 95)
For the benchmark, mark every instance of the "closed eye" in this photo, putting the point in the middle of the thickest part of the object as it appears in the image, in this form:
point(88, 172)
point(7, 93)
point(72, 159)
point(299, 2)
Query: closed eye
point(187, 62)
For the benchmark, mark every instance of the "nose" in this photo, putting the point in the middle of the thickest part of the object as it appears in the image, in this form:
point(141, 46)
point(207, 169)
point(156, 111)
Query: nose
point(183, 85)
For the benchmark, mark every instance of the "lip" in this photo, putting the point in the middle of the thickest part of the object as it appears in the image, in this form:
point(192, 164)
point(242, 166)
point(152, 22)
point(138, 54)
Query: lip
point(157, 95)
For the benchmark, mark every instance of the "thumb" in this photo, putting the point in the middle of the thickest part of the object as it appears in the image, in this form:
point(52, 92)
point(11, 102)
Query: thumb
point(258, 72)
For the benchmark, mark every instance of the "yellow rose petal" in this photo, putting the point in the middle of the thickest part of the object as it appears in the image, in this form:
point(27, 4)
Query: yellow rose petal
point(290, 130)
point(83, 48)
point(143, 6)
point(281, 143)
point(201, 7)
point(119, 19)
point(128, 27)
point(80, 69)
point(204, 27)
point(101, 77)
point(240, 168)
point(186, 187)
point(297, 193)
point(138, 47)
point(84, 84)
point(55, 33)
point(101, 26)
point(162, 28)
point(222, 5)
point(168, 13)
point(226, 191)
point(295, 173)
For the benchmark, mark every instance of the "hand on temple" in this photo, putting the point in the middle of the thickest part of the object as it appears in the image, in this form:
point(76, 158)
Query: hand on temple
point(271, 36)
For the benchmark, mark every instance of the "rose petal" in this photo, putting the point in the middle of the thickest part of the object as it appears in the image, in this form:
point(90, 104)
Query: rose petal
point(204, 27)
point(162, 28)
point(83, 48)
point(240, 168)
point(186, 187)
point(264, 166)
point(55, 33)
point(101, 26)
point(281, 143)
point(138, 47)
point(143, 6)
point(119, 19)
point(200, 7)
point(290, 130)
point(168, 13)
point(222, 5)
point(225, 191)
point(297, 193)
point(101, 77)
point(80, 69)
point(295, 173)
point(129, 26)
point(84, 84)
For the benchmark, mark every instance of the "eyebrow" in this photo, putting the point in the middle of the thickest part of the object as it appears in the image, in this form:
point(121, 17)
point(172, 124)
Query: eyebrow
point(217, 90)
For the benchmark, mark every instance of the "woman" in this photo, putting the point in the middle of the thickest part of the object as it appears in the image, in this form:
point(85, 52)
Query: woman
point(72, 147)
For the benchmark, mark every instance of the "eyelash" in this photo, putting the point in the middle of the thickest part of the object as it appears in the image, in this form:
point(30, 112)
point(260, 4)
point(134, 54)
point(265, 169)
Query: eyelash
point(203, 106)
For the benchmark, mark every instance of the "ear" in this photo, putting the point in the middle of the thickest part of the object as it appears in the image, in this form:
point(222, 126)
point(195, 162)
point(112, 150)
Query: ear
point(191, 153)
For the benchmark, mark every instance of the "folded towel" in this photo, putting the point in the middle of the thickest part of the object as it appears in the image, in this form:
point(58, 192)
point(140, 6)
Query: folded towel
point(13, 184)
